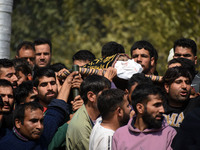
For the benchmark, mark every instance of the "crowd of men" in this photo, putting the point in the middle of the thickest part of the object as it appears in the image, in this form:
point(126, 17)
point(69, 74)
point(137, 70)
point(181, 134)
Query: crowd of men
point(49, 106)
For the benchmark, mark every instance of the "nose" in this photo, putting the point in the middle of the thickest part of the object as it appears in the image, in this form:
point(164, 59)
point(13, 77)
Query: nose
point(14, 78)
point(183, 85)
point(49, 86)
point(139, 58)
point(39, 125)
point(5, 99)
point(42, 56)
point(161, 110)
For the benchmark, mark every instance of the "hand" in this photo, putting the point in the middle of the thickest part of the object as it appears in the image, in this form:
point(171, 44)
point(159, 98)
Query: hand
point(110, 73)
point(77, 103)
point(76, 82)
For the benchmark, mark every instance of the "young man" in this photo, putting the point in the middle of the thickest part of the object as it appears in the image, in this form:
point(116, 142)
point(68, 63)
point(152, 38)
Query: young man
point(114, 109)
point(144, 53)
point(7, 71)
point(148, 129)
point(80, 126)
point(43, 52)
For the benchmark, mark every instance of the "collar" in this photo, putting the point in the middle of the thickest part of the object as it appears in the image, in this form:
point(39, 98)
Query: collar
point(19, 135)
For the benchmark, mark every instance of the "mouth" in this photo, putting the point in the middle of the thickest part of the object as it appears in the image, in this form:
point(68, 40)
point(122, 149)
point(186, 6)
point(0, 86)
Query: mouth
point(184, 93)
point(50, 94)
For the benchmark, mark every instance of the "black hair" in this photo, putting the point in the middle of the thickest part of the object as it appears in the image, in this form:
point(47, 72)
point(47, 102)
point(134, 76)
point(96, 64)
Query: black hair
point(22, 91)
point(83, 55)
point(57, 67)
point(188, 43)
point(6, 63)
point(108, 102)
point(142, 92)
point(19, 112)
point(94, 83)
point(41, 72)
point(25, 45)
point(111, 48)
point(5, 83)
point(41, 41)
point(146, 45)
point(173, 73)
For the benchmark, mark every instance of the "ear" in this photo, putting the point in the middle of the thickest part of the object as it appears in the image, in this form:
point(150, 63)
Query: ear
point(18, 123)
point(166, 88)
point(35, 90)
point(16, 56)
point(91, 96)
point(120, 111)
point(140, 108)
point(152, 61)
point(195, 60)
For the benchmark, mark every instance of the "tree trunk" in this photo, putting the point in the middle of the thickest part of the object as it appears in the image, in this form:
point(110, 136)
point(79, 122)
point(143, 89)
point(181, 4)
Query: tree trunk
point(5, 27)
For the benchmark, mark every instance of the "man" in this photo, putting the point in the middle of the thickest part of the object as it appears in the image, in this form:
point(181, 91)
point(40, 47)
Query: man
point(45, 82)
point(144, 53)
point(187, 48)
point(43, 52)
point(177, 82)
point(7, 71)
point(83, 57)
point(79, 129)
point(111, 48)
point(26, 50)
point(148, 129)
point(114, 109)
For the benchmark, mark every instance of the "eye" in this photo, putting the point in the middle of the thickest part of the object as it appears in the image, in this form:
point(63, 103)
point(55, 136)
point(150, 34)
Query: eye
point(53, 82)
point(43, 84)
point(134, 56)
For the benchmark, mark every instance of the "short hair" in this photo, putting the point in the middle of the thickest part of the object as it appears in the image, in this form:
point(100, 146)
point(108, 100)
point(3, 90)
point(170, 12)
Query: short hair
point(20, 61)
point(57, 67)
point(173, 73)
point(188, 43)
point(111, 48)
point(26, 45)
point(22, 91)
point(146, 45)
point(108, 102)
point(41, 41)
point(5, 83)
point(94, 83)
point(138, 78)
point(185, 63)
point(19, 112)
point(41, 72)
point(6, 63)
point(83, 55)
point(142, 92)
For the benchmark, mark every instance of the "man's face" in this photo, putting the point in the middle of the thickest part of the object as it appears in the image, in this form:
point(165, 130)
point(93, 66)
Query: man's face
point(184, 52)
point(32, 126)
point(179, 90)
point(29, 55)
point(31, 96)
point(10, 75)
point(142, 57)
point(126, 109)
point(47, 89)
point(154, 109)
point(42, 55)
point(7, 97)
point(21, 77)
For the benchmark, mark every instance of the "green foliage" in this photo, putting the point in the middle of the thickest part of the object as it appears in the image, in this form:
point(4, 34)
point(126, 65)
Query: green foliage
point(72, 25)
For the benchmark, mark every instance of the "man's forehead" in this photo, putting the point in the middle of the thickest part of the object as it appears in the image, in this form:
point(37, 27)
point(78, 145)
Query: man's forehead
point(140, 51)
point(46, 79)
point(182, 78)
point(7, 89)
point(182, 50)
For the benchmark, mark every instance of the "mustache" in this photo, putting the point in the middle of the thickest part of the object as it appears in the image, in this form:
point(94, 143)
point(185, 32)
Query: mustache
point(50, 92)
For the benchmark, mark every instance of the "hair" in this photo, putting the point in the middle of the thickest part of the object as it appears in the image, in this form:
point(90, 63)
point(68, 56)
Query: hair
point(19, 112)
point(57, 67)
point(188, 43)
point(173, 73)
point(108, 102)
point(41, 41)
point(25, 45)
point(185, 63)
point(83, 55)
point(41, 72)
point(1, 103)
point(138, 78)
point(142, 92)
point(94, 83)
point(147, 46)
point(111, 48)
point(22, 91)
point(5, 83)
point(6, 63)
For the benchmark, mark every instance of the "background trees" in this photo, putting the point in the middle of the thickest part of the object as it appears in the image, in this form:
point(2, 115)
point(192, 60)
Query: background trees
point(88, 24)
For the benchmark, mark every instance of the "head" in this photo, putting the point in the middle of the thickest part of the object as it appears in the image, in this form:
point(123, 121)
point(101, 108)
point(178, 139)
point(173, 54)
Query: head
point(6, 92)
point(185, 48)
point(43, 52)
point(25, 93)
point(111, 48)
point(144, 53)
point(92, 86)
point(57, 67)
point(26, 50)
point(148, 104)
point(45, 82)
point(114, 102)
point(28, 120)
point(7, 71)
point(83, 57)
point(183, 62)
point(177, 83)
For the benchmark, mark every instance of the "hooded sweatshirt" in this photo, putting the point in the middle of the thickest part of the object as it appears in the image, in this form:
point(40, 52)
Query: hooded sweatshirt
point(130, 138)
